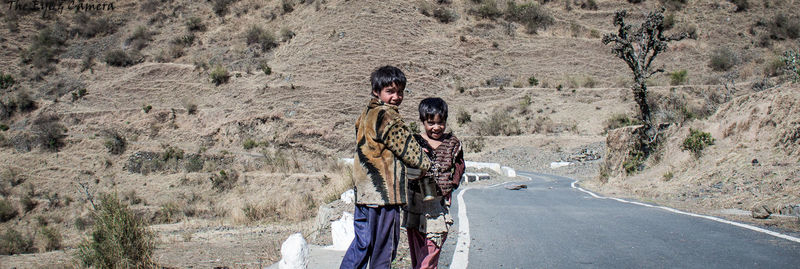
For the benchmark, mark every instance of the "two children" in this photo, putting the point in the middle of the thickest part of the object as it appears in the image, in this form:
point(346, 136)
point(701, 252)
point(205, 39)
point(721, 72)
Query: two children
point(385, 147)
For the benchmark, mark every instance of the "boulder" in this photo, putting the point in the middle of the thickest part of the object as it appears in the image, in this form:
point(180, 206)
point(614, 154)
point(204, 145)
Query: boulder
point(294, 253)
point(760, 212)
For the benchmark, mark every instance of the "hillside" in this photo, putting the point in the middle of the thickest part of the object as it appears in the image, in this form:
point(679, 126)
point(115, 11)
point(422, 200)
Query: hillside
point(153, 127)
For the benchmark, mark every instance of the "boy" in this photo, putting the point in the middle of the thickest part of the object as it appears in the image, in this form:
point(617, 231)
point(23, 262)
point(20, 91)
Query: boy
point(427, 222)
point(384, 147)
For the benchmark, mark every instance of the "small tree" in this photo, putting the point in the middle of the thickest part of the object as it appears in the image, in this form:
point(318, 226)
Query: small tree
point(638, 48)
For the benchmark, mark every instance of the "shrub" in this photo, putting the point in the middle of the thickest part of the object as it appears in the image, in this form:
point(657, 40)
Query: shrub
point(168, 213)
point(588, 83)
point(445, 15)
point(220, 7)
point(668, 176)
point(7, 210)
point(191, 107)
point(475, 144)
point(257, 35)
point(531, 15)
point(3, 127)
point(677, 77)
point(224, 180)
point(13, 242)
point(533, 81)
point(87, 27)
point(45, 46)
point(774, 67)
point(722, 59)
point(619, 121)
point(219, 75)
point(76, 95)
point(634, 162)
point(249, 144)
point(265, 68)
point(119, 238)
point(24, 102)
point(195, 24)
point(51, 237)
point(697, 141)
point(784, 27)
point(49, 132)
point(498, 123)
point(668, 22)
point(118, 57)
point(287, 34)
point(741, 5)
point(674, 4)
point(287, 6)
point(138, 40)
point(487, 10)
point(6, 81)
point(463, 117)
point(589, 4)
point(115, 143)
point(147, 108)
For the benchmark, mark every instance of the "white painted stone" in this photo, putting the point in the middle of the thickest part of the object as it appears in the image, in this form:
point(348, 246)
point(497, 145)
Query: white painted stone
point(479, 165)
point(554, 165)
point(508, 171)
point(342, 232)
point(348, 196)
point(294, 253)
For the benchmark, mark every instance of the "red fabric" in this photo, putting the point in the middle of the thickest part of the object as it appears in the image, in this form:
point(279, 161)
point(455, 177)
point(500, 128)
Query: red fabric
point(423, 251)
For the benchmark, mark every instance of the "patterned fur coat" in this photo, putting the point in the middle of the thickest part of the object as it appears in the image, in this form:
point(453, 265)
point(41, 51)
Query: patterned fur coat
point(384, 147)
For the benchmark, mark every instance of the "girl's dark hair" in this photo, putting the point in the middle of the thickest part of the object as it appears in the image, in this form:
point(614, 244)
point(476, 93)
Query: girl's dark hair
point(386, 76)
point(430, 107)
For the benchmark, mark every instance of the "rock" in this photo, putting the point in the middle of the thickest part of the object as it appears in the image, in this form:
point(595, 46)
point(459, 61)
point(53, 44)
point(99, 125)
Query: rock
point(517, 187)
point(294, 253)
point(760, 212)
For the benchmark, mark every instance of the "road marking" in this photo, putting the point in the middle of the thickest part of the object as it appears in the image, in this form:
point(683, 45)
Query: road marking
point(461, 253)
point(742, 225)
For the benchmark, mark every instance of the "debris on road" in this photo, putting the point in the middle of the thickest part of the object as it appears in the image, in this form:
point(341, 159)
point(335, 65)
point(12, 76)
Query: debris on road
point(517, 187)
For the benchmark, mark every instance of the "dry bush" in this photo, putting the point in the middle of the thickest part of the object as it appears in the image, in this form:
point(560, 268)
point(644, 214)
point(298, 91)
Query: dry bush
point(49, 132)
point(13, 242)
point(51, 238)
point(219, 75)
point(674, 4)
point(784, 27)
point(6, 81)
point(474, 144)
point(7, 210)
point(723, 59)
point(223, 180)
point(115, 142)
point(531, 15)
point(619, 121)
point(498, 123)
point(87, 27)
point(169, 212)
point(118, 57)
point(543, 125)
point(287, 34)
point(486, 9)
point(119, 238)
point(195, 24)
point(140, 37)
point(263, 38)
point(46, 46)
point(741, 5)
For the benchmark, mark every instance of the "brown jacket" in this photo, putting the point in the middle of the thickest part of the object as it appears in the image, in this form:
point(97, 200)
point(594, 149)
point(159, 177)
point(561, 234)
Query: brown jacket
point(384, 147)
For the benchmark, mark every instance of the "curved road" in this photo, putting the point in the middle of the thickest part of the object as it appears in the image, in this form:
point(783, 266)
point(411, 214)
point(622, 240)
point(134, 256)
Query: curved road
point(552, 225)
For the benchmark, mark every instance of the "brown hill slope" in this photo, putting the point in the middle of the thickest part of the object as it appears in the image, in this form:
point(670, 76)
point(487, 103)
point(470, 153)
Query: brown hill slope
point(278, 134)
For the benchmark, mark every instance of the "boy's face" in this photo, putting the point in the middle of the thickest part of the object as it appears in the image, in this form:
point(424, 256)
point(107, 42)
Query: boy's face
point(434, 127)
point(391, 94)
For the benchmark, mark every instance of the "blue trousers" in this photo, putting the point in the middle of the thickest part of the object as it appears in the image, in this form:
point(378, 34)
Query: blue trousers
point(377, 231)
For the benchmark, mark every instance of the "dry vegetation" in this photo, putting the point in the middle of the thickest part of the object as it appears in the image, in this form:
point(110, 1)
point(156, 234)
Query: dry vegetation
point(226, 118)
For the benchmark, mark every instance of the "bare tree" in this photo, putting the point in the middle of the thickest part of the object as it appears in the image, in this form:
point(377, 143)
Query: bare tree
point(638, 48)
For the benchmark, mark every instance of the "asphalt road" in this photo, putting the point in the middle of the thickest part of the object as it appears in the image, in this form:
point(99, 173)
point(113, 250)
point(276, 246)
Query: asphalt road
point(552, 225)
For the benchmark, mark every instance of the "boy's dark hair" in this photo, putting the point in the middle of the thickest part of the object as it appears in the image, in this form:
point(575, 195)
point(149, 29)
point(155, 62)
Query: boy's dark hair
point(430, 107)
point(386, 76)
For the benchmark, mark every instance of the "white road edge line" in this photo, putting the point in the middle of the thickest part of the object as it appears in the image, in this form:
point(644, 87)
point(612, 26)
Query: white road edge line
point(750, 227)
point(461, 253)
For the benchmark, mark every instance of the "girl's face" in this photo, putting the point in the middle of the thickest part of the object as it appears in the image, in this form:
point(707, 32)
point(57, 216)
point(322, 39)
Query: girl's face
point(434, 127)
